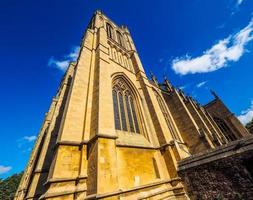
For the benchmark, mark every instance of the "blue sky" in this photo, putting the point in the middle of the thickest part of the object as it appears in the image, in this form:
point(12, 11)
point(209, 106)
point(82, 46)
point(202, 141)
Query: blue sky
point(198, 44)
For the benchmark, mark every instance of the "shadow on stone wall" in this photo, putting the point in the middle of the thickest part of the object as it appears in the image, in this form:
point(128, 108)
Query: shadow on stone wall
point(41, 188)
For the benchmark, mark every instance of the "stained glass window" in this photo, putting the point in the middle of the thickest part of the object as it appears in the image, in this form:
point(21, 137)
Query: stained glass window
point(125, 116)
point(116, 110)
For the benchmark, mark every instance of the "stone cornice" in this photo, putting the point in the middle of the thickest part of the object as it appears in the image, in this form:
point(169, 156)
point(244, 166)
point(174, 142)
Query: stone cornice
point(86, 142)
point(77, 143)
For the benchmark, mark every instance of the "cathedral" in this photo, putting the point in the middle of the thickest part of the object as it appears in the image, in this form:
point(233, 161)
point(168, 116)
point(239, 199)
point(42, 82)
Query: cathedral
point(112, 133)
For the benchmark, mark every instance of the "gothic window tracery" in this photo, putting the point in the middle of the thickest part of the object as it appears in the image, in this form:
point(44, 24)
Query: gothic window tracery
point(125, 112)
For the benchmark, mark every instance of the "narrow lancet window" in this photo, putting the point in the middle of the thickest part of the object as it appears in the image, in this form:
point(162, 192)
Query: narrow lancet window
point(134, 116)
point(109, 31)
point(119, 38)
point(116, 110)
point(122, 112)
point(130, 118)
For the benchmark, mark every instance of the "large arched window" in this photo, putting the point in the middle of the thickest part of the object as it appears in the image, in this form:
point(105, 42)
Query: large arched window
point(124, 104)
point(109, 30)
point(225, 129)
point(167, 117)
point(119, 38)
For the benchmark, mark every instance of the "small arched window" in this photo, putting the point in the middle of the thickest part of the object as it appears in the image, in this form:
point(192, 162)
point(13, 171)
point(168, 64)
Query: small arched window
point(125, 112)
point(119, 38)
point(109, 30)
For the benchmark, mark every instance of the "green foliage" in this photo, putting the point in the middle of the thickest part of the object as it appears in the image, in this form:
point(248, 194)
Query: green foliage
point(9, 186)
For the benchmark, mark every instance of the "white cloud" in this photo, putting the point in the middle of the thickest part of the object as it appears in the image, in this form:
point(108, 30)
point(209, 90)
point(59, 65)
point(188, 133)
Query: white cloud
point(64, 63)
point(27, 150)
point(239, 2)
point(30, 138)
point(25, 143)
point(201, 84)
point(218, 56)
point(4, 169)
point(246, 115)
point(183, 87)
point(74, 53)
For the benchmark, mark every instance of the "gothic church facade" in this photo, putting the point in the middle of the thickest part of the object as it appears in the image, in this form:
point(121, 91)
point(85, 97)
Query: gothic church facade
point(111, 133)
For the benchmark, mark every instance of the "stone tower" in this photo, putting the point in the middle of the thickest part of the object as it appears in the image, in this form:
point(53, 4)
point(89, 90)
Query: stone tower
point(110, 132)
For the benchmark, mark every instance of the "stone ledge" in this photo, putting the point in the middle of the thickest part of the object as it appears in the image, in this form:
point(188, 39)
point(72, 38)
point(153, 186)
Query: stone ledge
point(58, 194)
point(76, 143)
point(56, 180)
point(118, 144)
point(231, 149)
point(100, 196)
point(158, 193)
point(102, 136)
point(132, 140)
point(136, 146)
